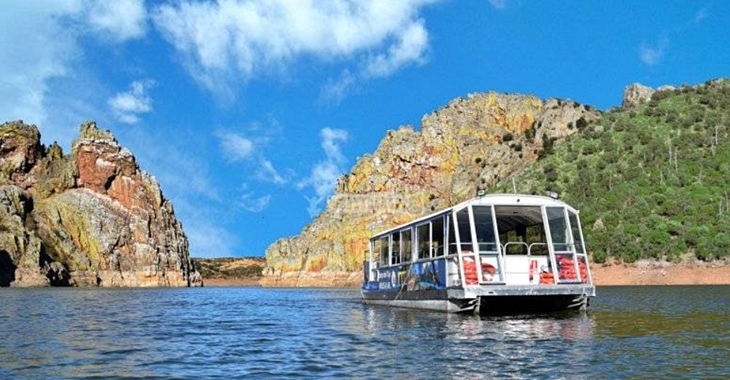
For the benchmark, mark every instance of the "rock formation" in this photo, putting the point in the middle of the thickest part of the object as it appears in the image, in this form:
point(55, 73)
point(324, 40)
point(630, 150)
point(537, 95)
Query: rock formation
point(467, 145)
point(91, 218)
point(635, 94)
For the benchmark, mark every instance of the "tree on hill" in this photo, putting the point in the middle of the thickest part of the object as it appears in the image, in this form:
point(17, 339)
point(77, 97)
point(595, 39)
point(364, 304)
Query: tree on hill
point(652, 181)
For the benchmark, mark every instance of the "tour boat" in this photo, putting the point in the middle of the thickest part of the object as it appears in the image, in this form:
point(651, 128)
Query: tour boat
point(500, 253)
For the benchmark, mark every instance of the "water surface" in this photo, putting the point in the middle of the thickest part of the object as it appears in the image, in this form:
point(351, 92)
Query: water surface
point(228, 333)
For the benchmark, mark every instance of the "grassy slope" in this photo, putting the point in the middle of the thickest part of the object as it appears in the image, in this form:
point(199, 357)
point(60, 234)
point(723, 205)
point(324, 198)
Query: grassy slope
point(635, 201)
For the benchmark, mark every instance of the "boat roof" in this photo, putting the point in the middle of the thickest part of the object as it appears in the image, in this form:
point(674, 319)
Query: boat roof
point(489, 199)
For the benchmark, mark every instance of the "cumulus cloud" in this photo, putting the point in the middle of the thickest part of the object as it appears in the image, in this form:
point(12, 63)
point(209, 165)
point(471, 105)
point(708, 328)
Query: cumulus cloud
point(652, 55)
point(409, 48)
point(129, 105)
point(242, 39)
point(40, 43)
point(325, 173)
point(120, 20)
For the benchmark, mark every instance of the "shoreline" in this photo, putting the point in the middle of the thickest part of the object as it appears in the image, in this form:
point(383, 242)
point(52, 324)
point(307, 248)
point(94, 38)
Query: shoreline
point(645, 272)
point(223, 282)
point(661, 273)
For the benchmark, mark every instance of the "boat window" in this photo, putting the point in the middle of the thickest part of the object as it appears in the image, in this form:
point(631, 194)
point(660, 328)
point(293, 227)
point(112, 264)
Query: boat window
point(484, 228)
point(437, 236)
point(375, 246)
point(462, 217)
point(395, 248)
point(423, 240)
point(406, 246)
point(536, 234)
point(575, 229)
point(512, 237)
point(383, 250)
point(452, 235)
point(519, 227)
point(558, 228)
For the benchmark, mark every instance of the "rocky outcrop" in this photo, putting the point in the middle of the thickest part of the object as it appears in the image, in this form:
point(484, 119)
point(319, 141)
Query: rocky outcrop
point(90, 218)
point(635, 94)
point(466, 146)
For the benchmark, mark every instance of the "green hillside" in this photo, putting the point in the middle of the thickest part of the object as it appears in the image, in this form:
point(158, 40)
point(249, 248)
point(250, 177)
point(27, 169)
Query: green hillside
point(651, 181)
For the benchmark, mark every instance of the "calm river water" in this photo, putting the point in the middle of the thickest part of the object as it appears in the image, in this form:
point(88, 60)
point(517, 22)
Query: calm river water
point(229, 333)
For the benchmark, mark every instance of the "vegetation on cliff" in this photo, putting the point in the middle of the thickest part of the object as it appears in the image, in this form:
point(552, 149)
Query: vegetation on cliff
point(230, 267)
point(652, 179)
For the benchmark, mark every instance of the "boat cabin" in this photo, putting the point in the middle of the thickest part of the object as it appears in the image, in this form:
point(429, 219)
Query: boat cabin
point(490, 245)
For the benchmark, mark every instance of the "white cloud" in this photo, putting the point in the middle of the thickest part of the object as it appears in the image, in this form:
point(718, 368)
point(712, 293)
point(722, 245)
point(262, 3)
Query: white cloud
point(40, 43)
point(250, 150)
point(35, 49)
point(323, 178)
point(652, 55)
point(410, 48)
point(331, 140)
point(268, 173)
point(128, 105)
point(254, 204)
point(236, 147)
point(120, 20)
point(325, 173)
point(498, 4)
point(232, 41)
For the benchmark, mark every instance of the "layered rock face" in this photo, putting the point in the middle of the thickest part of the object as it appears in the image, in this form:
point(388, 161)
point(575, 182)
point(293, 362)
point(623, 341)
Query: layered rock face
point(466, 146)
point(91, 218)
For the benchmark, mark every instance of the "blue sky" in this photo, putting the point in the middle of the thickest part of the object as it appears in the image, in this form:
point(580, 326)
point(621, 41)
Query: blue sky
point(248, 111)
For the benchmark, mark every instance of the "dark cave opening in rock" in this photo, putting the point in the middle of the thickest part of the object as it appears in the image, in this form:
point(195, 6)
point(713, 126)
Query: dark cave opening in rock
point(7, 269)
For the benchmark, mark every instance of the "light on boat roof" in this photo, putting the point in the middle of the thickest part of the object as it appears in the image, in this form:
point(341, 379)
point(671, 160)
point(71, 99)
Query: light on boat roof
point(553, 195)
point(481, 193)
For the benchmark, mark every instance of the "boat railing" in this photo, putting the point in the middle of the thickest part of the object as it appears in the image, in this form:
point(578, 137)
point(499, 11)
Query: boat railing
point(421, 260)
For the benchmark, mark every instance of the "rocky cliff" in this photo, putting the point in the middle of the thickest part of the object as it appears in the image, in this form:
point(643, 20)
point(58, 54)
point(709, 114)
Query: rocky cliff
point(468, 145)
point(89, 218)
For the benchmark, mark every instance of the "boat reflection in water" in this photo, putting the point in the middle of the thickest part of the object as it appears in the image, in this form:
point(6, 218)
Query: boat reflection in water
point(469, 346)
point(492, 254)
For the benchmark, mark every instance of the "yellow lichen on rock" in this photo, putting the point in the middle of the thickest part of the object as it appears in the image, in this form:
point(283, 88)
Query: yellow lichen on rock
point(460, 148)
point(88, 218)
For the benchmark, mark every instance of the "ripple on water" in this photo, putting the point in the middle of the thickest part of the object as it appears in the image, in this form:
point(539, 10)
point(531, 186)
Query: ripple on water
point(307, 333)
